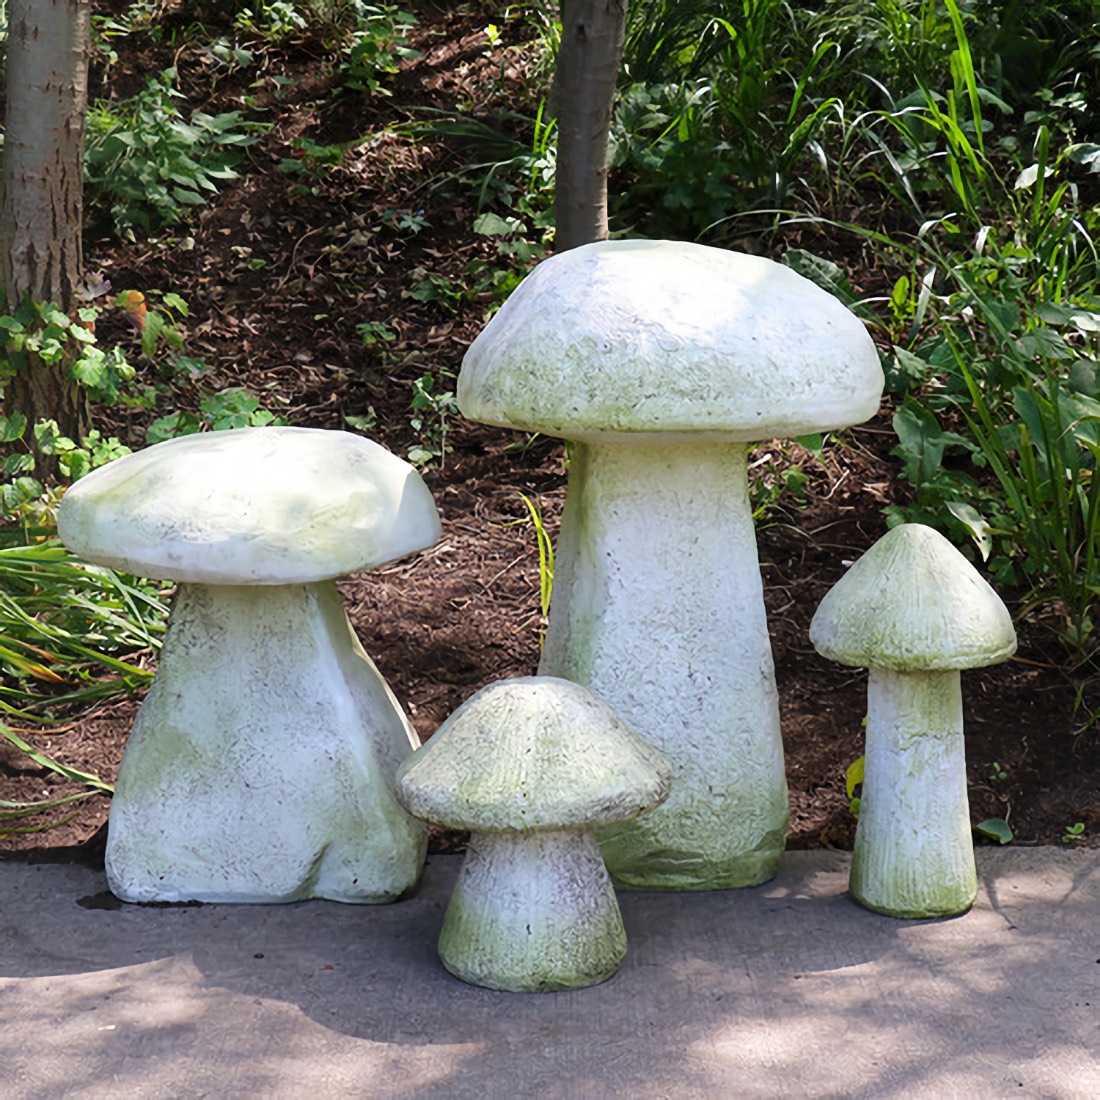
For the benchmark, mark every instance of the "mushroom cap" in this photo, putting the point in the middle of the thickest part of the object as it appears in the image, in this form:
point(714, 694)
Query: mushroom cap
point(250, 506)
point(913, 603)
point(531, 753)
point(629, 337)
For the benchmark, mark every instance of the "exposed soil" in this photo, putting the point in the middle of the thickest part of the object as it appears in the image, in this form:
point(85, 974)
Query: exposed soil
point(466, 612)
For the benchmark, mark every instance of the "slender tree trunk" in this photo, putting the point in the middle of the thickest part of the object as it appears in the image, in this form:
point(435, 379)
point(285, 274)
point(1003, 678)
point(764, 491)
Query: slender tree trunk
point(584, 90)
point(41, 190)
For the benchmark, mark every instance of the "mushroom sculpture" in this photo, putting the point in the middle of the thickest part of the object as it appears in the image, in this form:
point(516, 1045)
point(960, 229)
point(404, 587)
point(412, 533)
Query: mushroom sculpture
point(261, 765)
point(662, 362)
point(913, 611)
point(532, 766)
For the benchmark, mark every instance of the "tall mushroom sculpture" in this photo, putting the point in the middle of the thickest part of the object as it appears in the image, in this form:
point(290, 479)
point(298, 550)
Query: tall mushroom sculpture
point(261, 765)
point(914, 611)
point(662, 362)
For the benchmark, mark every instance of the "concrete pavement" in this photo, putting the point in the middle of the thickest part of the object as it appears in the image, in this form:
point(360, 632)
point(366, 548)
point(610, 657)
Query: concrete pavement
point(785, 990)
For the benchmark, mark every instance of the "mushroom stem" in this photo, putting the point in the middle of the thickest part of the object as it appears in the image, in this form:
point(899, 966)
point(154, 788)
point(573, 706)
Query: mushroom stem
point(914, 855)
point(658, 607)
point(533, 912)
point(261, 764)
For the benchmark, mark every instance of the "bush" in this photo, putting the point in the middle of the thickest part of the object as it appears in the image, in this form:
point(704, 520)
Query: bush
point(152, 165)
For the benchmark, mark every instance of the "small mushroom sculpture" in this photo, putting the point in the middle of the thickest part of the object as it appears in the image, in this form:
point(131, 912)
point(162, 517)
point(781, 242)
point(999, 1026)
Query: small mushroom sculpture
point(261, 764)
point(531, 766)
point(914, 612)
point(662, 362)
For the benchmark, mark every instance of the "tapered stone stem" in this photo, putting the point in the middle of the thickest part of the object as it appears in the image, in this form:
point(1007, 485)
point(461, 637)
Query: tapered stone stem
point(261, 764)
point(658, 608)
point(914, 854)
point(533, 912)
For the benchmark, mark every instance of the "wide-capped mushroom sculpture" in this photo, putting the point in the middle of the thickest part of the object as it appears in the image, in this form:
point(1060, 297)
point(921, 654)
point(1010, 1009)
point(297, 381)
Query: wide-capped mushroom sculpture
point(261, 764)
point(662, 362)
point(532, 766)
point(914, 612)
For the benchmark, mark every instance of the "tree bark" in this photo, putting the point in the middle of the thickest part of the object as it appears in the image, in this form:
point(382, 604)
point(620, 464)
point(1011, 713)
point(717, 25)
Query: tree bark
point(41, 191)
point(584, 91)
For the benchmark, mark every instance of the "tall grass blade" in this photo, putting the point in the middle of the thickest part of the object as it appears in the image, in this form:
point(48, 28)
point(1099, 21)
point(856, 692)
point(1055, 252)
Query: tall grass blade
point(546, 555)
point(43, 760)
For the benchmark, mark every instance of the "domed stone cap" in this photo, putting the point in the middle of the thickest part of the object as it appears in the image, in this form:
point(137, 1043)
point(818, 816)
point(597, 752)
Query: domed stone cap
point(250, 506)
point(532, 753)
point(912, 603)
point(662, 336)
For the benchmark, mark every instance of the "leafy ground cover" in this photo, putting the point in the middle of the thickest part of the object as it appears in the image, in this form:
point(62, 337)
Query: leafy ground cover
point(339, 204)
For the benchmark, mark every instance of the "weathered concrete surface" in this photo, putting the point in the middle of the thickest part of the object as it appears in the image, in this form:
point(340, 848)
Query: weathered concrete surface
point(785, 990)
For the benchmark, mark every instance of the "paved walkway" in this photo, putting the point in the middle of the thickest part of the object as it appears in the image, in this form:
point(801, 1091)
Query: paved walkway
point(786, 990)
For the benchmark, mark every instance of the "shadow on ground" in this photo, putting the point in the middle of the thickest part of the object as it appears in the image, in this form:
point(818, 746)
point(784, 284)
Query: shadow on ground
point(788, 989)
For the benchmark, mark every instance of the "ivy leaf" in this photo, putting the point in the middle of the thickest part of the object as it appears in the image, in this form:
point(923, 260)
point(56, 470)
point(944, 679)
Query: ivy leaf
point(12, 427)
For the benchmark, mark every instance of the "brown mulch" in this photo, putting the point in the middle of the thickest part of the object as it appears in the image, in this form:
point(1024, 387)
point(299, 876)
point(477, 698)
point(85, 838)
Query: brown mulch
point(333, 255)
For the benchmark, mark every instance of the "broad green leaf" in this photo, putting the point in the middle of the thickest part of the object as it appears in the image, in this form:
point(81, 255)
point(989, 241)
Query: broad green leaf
point(493, 225)
point(12, 427)
point(975, 524)
point(995, 828)
point(1086, 154)
point(828, 275)
point(853, 776)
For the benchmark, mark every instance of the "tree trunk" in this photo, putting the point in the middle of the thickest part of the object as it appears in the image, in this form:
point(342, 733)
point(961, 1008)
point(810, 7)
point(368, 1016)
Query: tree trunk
point(41, 191)
point(584, 91)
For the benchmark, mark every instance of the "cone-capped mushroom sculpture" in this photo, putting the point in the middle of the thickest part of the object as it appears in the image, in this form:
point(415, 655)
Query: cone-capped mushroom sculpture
point(531, 766)
point(261, 764)
point(914, 612)
point(662, 362)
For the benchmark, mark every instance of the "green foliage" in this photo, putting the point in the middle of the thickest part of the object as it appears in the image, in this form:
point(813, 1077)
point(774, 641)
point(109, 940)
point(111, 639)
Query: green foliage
point(150, 164)
point(1073, 832)
point(681, 170)
point(715, 116)
point(546, 555)
point(140, 16)
point(375, 46)
point(994, 364)
point(778, 477)
point(375, 333)
point(272, 20)
point(427, 286)
point(235, 407)
point(11, 812)
point(853, 781)
point(310, 159)
point(1044, 456)
point(995, 828)
point(70, 633)
point(510, 160)
point(370, 39)
point(690, 37)
point(731, 106)
point(37, 334)
point(487, 281)
point(431, 410)
point(492, 281)
point(40, 333)
point(1023, 483)
point(999, 426)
